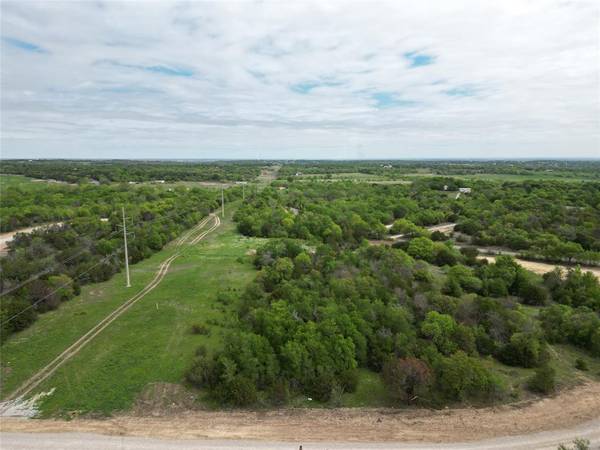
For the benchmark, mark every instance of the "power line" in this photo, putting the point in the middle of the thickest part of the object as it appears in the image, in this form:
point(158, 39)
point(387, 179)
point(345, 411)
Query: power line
point(87, 271)
point(84, 250)
point(62, 286)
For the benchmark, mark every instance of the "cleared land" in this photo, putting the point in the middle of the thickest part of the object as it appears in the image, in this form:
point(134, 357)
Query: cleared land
point(151, 342)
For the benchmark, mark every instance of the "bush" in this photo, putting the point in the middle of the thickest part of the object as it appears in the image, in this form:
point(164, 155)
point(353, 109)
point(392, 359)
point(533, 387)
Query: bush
point(348, 380)
point(461, 377)
point(336, 396)
point(578, 444)
point(581, 364)
point(280, 393)
point(200, 328)
point(202, 373)
point(406, 379)
point(544, 379)
point(322, 387)
point(523, 349)
point(438, 236)
point(239, 391)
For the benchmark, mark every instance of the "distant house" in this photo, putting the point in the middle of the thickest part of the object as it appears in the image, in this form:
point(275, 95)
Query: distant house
point(464, 190)
point(103, 219)
point(387, 166)
point(95, 182)
point(159, 181)
point(445, 187)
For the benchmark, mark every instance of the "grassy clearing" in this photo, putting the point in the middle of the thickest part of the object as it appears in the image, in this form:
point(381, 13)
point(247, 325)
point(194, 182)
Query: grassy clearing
point(151, 342)
point(24, 353)
point(20, 181)
point(370, 391)
point(537, 176)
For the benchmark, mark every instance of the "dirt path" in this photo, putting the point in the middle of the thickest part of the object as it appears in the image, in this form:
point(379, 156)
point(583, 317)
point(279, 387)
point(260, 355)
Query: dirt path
point(92, 441)
point(541, 268)
point(5, 238)
point(567, 410)
point(11, 402)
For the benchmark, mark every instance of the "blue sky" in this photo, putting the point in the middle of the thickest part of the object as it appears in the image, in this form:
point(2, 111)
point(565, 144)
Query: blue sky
point(246, 79)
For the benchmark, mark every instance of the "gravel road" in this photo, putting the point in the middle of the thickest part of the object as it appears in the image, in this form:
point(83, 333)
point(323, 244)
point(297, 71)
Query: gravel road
point(89, 441)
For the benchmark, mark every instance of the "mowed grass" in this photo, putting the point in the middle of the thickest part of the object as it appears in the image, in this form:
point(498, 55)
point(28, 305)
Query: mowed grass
point(370, 391)
point(151, 342)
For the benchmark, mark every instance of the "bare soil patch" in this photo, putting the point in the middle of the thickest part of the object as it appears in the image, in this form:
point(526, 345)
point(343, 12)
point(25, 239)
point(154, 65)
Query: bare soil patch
point(163, 399)
point(541, 268)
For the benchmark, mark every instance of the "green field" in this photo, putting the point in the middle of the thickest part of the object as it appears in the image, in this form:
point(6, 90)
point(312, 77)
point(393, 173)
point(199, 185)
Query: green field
point(151, 342)
point(22, 182)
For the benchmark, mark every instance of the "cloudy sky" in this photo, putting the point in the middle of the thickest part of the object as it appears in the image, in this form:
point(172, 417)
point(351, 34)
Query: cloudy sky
point(403, 79)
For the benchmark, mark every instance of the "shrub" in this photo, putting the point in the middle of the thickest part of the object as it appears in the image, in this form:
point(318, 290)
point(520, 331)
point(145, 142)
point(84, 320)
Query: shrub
point(348, 380)
point(322, 386)
point(238, 391)
point(460, 377)
point(200, 328)
point(203, 372)
point(406, 379)
point(544, 379)
point(438, 236)
point(280, 392)
point(578, 444)
point(336, 396)
point(581, 364)
point(523, 349)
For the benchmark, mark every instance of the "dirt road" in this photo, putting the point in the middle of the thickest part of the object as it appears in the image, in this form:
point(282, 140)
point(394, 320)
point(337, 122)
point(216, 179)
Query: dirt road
point(541, 268)
point(75, 441)
point(12, 401)
point(572, 411)
point(5, 238)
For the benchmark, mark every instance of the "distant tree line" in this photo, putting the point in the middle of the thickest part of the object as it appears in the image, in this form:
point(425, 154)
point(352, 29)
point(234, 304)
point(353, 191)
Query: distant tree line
point(136, 171)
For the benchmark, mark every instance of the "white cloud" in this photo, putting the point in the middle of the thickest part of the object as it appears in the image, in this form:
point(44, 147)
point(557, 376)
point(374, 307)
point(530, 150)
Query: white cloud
point(226, 79)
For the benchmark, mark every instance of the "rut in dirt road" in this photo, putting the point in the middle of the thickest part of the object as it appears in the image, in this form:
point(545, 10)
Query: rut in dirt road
point(33, 382)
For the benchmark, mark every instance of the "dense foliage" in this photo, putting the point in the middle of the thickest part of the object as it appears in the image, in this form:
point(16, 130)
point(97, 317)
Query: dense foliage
point(542, 219)
point(545, 220)
point(422, 313)
point(125, 171)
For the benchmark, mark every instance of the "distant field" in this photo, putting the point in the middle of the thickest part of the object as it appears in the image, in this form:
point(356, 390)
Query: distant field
point(390, 178)
point(533, 176)
point(9, 181)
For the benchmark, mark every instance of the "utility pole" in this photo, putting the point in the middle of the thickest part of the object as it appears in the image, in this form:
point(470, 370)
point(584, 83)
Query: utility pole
point(222, 203)
point(125, 243)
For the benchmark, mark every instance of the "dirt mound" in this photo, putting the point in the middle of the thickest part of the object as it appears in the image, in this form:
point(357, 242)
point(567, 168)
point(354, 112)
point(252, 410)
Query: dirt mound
point(163, 399)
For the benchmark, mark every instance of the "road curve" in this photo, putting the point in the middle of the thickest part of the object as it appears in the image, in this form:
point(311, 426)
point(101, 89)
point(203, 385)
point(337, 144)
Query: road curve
point(42, 375)
point(548, 440)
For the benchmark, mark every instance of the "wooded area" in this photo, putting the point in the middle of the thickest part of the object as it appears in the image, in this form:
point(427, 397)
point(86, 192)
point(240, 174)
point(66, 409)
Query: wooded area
point(423, 314)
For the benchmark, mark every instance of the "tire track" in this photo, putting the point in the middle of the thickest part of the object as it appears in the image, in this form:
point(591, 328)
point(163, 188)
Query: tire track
point(181, 240)
point(202, 235)
point(74, 348)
